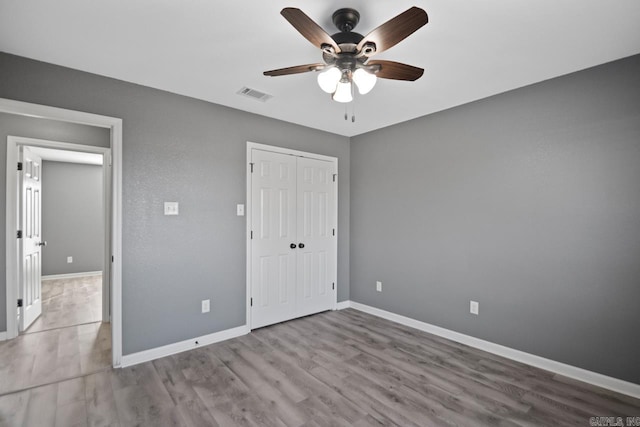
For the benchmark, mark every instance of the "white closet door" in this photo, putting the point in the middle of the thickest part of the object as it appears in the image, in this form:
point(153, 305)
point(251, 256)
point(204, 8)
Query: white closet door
point(273, 261)
point(293, 253)
point(315, 253)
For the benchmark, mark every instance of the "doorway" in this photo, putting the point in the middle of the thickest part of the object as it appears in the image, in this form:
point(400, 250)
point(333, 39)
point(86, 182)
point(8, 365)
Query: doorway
point(25, 197)
point(59, 321)
point(291, 234)
point(113, 255)
point(70, 232)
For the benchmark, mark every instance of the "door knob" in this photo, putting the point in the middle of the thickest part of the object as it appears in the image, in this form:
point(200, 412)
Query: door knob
point(301, 245)
point(43, 243)
point(292, 246)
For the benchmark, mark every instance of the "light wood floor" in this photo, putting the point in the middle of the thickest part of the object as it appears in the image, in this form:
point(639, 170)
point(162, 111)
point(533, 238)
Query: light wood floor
point(336, 368)
point(69, 302)
point(61, 344)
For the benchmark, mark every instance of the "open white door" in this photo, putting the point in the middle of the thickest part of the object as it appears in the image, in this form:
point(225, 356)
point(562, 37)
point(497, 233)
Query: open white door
point(31, 242)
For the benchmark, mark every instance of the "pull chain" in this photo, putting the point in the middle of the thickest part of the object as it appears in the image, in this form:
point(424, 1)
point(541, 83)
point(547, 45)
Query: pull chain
point(353, 104)
point(353, 108)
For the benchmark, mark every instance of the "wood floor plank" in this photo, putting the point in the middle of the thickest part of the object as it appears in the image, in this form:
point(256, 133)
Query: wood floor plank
point(100, 400)
point(245, 359)
point(13, 408)
point(41, 409)
point(177, 385)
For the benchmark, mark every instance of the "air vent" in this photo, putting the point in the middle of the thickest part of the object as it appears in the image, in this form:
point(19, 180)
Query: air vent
point(254, 94)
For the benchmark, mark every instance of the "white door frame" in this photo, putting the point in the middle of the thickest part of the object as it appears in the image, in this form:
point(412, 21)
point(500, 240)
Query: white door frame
point(13, 201)
point(274, 149)
point(113, 255)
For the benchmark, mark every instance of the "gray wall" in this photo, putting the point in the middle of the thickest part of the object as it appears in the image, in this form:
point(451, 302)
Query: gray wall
point(179, 149)
point(72, 217)
point(41, 129)
point(527, 202)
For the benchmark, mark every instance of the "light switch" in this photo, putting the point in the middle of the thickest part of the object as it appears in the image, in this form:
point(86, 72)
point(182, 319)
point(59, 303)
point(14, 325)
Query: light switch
point(240, 210)
point(206, 305)
point(474, 307)
point(171, 208)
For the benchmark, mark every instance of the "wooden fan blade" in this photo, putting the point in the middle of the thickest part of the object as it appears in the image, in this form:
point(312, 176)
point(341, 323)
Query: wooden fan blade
point(308, 28)
point(395, 30)
point(397, 70)
point(294, 70)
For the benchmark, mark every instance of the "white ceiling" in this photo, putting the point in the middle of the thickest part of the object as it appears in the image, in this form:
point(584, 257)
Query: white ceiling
point(210, 49)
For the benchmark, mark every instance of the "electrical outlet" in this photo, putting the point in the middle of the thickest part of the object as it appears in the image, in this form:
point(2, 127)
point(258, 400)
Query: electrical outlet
point(206, 305)
point(69, 259)
point(474, 307)
point(379, 286)
point(240, 210)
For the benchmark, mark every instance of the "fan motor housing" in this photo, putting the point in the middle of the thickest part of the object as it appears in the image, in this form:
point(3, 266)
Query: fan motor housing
point(348, 38)
point(346, 20)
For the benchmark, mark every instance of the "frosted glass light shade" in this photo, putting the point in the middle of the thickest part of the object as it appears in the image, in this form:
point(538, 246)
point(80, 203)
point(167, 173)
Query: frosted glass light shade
point(328, 80)
point(343, 92)
point(364, 81)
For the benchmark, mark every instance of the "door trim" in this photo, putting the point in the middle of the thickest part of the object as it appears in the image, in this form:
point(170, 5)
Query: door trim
point(297, 153)
point(115, 238)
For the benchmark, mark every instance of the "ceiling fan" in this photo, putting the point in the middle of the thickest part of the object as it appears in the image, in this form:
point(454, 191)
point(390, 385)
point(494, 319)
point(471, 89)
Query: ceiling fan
point(347, 54)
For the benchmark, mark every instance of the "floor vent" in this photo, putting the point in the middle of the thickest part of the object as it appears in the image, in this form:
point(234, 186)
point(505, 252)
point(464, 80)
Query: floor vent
point(254, 94)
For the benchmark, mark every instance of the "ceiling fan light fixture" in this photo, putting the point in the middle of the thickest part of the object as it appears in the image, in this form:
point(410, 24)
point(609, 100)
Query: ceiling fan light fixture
point(346, 54)
point(328, 80)
point(364, 81)
point(343, 92)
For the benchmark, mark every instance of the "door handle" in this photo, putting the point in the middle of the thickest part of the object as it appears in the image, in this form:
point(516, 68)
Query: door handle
point(43, 243)
point(301, 245)
point(292, 246)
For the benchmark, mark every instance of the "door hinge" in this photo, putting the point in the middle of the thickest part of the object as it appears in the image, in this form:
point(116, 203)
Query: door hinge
point(334, 231)
point(19, 234)
point(20, 302)
point(111, 258)
point(333, 286)
point(251, 167)
point(334, 177)
point(251, 234)
point(19, 166)
point(251, 302)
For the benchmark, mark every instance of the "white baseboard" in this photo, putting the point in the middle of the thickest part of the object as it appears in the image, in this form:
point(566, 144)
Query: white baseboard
point(71, 275)
point(343, 304)
point(179, 347)
point(580, 374)
point(3, 336)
